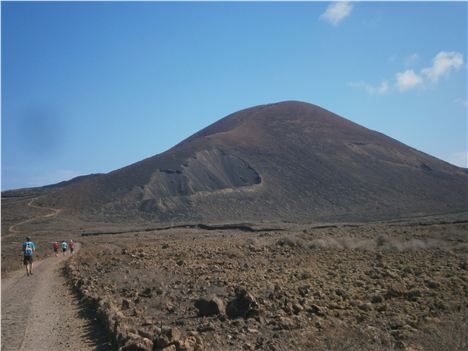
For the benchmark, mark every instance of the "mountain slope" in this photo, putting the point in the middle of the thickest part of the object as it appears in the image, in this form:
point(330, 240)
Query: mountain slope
point(285, 161)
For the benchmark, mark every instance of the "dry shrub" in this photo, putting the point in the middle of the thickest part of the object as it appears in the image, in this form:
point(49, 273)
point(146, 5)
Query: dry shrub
point(291, 241)
point(253, 241)
point(381, 243)
point(233, 253)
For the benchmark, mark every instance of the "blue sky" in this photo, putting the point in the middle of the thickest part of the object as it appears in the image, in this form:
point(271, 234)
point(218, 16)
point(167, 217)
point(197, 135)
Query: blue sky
point(92, 87)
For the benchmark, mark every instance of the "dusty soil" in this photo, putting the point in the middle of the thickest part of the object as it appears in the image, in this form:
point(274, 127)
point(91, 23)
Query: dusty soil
point(381, 286)
point(40, 312)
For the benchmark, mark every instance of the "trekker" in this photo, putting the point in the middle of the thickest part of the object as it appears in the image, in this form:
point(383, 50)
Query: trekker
point(56, 248)
point(64, 247)
point(28, 250)
point(72, 246)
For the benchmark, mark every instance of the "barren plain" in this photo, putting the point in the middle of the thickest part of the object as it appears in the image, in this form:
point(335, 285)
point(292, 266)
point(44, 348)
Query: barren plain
point(380, 286)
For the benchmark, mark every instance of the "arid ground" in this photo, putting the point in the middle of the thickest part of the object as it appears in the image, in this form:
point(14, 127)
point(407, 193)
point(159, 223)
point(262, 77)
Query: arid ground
point(381, 286)
point(400, 285)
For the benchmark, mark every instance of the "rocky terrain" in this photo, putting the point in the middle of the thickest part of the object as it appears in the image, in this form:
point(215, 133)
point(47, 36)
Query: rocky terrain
point(381, 286)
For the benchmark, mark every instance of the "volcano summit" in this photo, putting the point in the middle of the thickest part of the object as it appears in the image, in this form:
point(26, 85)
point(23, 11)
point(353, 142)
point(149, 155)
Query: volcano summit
point(285, 161)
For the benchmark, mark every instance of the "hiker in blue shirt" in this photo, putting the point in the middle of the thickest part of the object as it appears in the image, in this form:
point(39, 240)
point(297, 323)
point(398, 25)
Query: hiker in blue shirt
point(64, 247)
point(28, 251)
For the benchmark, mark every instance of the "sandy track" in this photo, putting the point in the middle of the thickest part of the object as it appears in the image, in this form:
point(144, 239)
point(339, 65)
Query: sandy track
point(41, 313)
point(12, 230)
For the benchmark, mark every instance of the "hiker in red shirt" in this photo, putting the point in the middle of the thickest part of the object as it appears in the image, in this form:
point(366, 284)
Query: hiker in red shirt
point(72, 246)
point(56, 247)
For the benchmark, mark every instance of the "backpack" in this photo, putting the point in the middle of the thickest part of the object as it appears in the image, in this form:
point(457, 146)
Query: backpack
point(64, 245)
point(28, 250)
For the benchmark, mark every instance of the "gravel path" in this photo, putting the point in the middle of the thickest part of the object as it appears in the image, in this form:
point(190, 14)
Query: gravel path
point(41, 313)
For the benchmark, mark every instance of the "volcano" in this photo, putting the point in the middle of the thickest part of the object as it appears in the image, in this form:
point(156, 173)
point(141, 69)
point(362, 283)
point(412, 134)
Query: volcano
point(289, 161)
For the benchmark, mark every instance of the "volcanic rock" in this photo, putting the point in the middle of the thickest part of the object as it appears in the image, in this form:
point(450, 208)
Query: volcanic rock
point(209, 307)
point(243, 305)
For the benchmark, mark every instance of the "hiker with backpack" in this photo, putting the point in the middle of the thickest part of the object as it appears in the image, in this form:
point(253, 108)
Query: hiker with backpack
point(56, 246)
point(64, 247)
point(28, 251)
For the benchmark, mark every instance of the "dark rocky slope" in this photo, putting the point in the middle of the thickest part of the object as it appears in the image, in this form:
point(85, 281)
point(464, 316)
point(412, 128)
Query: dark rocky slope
point(285, 161)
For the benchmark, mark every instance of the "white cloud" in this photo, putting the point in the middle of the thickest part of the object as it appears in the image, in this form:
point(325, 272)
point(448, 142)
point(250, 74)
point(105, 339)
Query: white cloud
point(337, 11)
point(54, 177)
point(408, 80)
point(459, 159)
point(381, 89)
point(443, 63)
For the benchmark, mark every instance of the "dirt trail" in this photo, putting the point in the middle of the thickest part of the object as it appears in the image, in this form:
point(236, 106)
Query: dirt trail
point(41, 313)
point(12, 230)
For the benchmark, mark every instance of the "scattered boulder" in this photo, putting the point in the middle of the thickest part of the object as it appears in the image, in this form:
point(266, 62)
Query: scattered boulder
point(304, 290)
point(191, 343)
point(146, 292)
point(342, 293)
point(297, 308)
point(145, 333)
point(205, 327)
point(317, 310)
point(286, 323)
point(126, 303)
point(396, 323)
point(413, 295)
point(138, 344)
point(170, 308)
point(396, 290)
point(209, 307)
point(366, 306)
point(166, 338)
point(243, 305)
